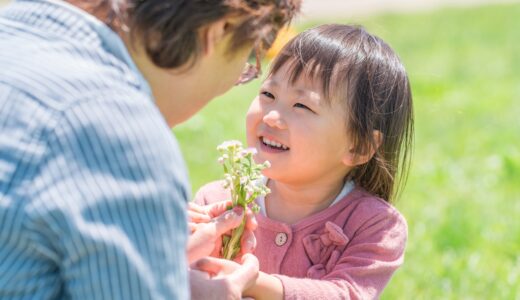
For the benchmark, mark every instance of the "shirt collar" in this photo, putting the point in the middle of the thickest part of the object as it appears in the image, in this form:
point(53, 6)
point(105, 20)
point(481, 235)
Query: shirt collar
point(345, 190)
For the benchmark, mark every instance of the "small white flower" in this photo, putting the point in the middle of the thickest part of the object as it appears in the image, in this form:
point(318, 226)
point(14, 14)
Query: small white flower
point(264, 191)
point(233, 144)
point(248, 151)
point(228, 178)
point(248, 189)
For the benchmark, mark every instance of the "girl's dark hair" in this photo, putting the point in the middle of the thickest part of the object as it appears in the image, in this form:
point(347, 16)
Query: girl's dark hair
point(169, 28)
point(363, 72)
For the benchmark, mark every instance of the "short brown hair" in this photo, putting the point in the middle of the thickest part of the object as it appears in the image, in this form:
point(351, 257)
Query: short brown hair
point(168, 29)
point(364, 73)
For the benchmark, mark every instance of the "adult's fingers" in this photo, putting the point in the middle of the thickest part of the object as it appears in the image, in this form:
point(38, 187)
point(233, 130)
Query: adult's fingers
point(251, 223)
point(194, 273)
point(227, 221)
point(242, 274)
point(205, 237)
point(248, 242)
point(196, 207)
point(197, 213)
point(215, 266)
point(216, 209)
point(245, 276)
point(197, 217)
point(239, 277)
point(201, 286)
point(218, 247)
point(192, 227)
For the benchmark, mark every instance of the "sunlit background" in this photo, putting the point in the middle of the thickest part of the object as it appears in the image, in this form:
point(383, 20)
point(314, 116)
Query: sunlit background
point(462, 200)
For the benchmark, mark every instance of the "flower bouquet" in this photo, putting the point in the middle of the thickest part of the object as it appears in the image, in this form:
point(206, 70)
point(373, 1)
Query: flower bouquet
point(241, 177)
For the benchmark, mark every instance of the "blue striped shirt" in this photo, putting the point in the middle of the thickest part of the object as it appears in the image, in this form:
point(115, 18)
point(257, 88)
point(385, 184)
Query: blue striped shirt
point(93, 187)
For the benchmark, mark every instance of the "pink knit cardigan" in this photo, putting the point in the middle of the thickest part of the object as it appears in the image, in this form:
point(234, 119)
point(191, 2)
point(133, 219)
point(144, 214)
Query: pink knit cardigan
point(346, 251)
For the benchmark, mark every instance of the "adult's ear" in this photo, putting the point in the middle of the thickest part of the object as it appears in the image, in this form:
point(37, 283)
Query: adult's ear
point(212, 35)
point(352, 158)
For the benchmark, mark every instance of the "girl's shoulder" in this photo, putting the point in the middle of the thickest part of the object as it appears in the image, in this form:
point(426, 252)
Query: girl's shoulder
point(366, 210)
point(212, 192)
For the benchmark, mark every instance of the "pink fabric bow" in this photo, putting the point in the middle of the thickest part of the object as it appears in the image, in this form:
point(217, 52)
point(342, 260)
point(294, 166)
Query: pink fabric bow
point(324, 249)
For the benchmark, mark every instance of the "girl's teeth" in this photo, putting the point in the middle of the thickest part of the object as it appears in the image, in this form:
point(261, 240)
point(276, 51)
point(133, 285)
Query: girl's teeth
point(274, 144)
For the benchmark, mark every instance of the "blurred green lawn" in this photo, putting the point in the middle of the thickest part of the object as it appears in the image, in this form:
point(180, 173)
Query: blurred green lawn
point(462, 200)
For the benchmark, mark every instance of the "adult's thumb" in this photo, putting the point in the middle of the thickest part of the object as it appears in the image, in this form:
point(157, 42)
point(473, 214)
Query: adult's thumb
point(229, 220)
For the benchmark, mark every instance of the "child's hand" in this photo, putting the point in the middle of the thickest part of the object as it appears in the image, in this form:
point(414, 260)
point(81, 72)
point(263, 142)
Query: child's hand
point(208, 223)
point(213, 278)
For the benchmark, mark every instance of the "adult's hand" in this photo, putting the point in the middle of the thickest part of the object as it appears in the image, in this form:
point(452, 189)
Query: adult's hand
point(215, 278)
point(208, 223)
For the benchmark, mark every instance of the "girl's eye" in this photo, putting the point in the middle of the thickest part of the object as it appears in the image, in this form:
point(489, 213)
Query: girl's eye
point(299, 105)
point(267, 94)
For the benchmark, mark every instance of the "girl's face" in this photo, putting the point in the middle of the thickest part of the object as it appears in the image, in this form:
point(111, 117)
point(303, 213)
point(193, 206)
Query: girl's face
point(293, 127)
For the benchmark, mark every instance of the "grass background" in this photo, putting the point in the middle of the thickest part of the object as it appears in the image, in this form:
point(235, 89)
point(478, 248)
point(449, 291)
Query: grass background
point(462, 200)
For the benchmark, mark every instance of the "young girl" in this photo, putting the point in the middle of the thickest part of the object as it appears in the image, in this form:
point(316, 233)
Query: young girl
point(334, 119)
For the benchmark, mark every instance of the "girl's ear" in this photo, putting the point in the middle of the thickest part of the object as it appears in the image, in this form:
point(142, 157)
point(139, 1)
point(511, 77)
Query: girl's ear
point(213, 34)
point(353, 159)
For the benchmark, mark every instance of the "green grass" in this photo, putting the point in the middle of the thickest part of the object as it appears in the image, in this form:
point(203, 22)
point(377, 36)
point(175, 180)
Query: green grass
point(462, 200)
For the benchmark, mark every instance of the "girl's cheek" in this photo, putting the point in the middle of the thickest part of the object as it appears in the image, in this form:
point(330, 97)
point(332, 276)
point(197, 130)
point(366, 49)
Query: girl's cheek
point(250, 128)
point(254, 114)
point(250, 116)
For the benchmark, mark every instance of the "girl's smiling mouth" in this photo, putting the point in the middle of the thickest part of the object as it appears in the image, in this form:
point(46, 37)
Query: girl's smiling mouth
point(270, 145)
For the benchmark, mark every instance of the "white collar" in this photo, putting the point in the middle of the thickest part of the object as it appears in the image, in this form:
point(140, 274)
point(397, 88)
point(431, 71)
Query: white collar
point(347, 188)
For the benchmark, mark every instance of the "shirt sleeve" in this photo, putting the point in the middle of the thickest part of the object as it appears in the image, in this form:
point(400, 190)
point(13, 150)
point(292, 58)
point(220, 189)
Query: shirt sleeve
point(104, 216)
point(364, 268)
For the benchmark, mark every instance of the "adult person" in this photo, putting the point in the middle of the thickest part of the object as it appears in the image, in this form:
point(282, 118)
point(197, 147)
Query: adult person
point(93, 188)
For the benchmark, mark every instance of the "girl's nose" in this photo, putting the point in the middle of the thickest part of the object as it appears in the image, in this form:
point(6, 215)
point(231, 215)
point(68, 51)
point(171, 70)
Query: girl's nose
point(273, 118)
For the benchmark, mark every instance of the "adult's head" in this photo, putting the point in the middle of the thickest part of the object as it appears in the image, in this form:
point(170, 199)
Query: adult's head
point(192, 50)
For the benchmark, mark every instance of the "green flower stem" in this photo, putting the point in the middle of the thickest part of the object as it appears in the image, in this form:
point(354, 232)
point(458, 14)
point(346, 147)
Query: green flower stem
point(233, 246)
